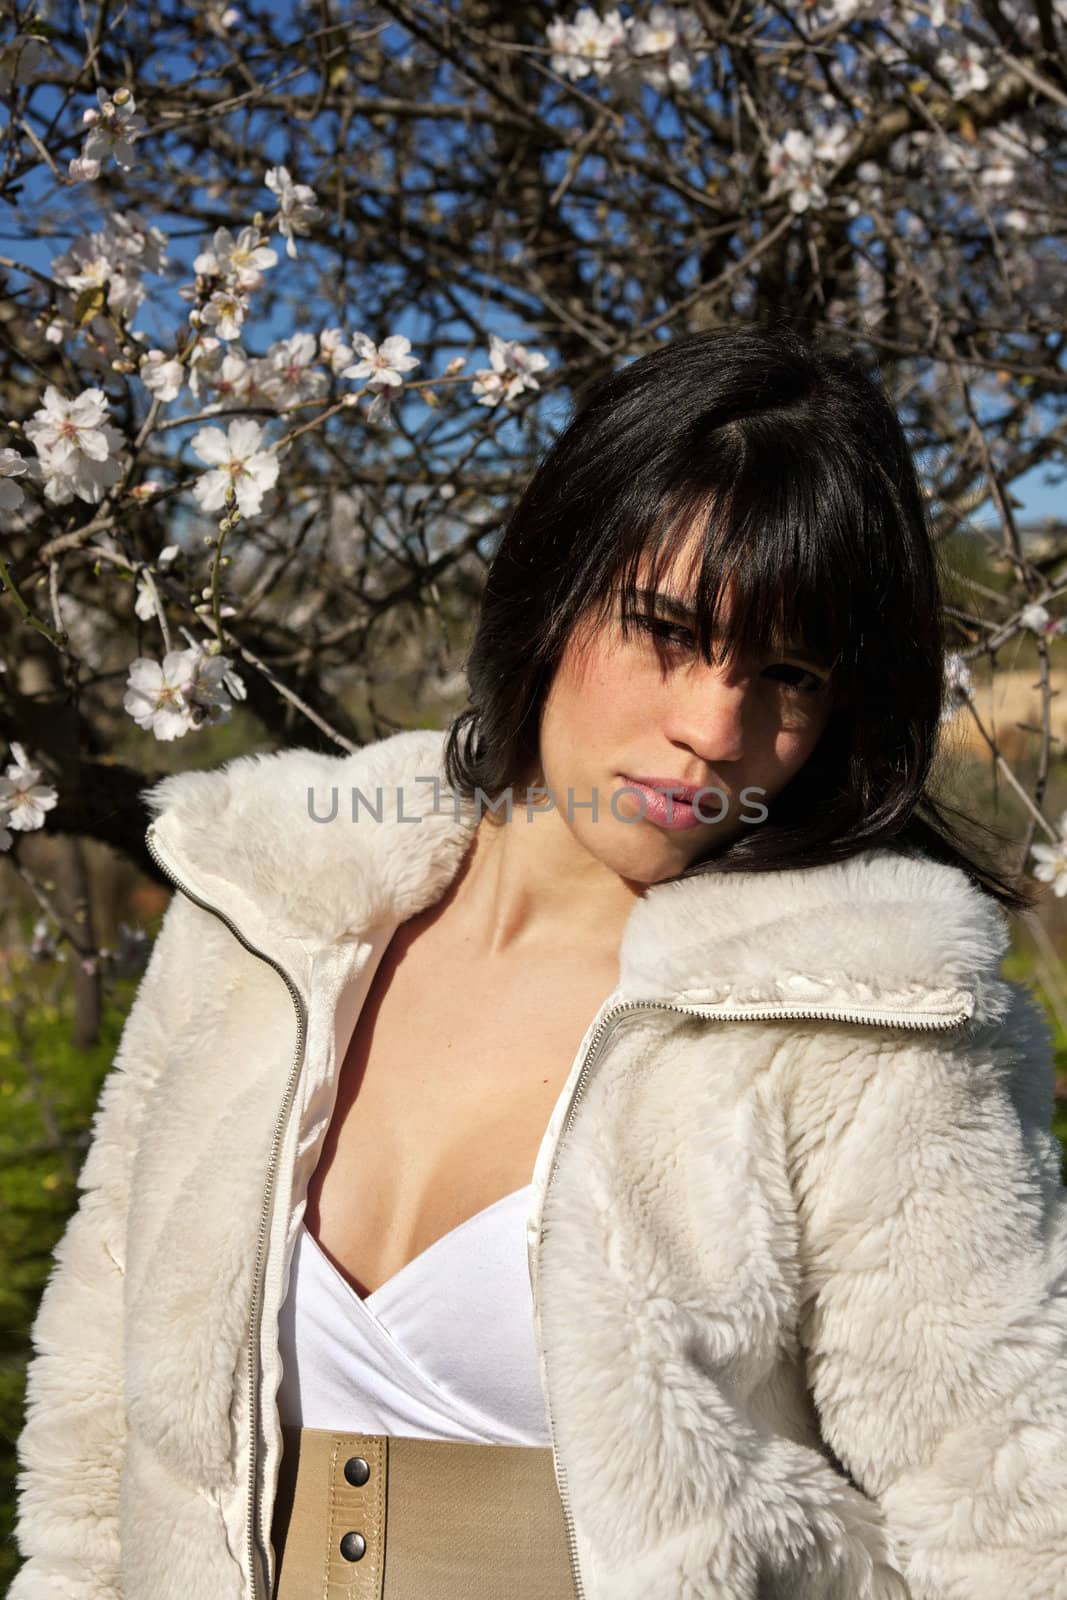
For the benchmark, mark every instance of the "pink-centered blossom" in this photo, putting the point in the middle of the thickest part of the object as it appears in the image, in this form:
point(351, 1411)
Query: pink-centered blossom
point(382, 365)
point(76, 445)
point(238, 464)
point(510, 372)
point(24, 799)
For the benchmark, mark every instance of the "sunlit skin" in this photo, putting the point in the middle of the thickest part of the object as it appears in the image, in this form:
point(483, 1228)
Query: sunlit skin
point(646, 705)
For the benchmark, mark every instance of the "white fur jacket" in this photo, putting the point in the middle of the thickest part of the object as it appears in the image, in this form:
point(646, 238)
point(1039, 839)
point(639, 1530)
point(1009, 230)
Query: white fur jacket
point(798, 1242)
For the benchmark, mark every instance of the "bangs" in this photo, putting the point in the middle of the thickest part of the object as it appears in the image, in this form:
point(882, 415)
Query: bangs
point(770, 568)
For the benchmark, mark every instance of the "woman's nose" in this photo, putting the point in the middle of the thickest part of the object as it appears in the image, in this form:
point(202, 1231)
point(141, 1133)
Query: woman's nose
point(708, 715)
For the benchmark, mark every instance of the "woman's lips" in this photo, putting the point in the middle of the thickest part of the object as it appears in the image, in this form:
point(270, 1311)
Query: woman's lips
point(667, 810)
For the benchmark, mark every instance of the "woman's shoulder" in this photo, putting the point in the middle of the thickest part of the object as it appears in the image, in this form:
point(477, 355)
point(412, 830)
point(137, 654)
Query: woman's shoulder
point(878, 930)
point(249, 781)
point(309, 844)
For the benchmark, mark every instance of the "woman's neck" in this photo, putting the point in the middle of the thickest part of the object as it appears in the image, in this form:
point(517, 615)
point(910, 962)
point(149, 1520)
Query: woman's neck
point(528, 885)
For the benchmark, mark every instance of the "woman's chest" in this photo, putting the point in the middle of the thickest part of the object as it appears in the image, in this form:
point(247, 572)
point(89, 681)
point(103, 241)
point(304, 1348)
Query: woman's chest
point(443, 1096)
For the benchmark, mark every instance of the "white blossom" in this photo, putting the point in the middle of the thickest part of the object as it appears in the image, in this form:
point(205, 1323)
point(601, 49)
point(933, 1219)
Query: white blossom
point(830, 142)
point(190, 689)
point(155, 694)
point(662, 43)
point(113, 126)
point(221, 18)
point(333, 349)
point(25, 797)
point(511, 370)
point(241, 261)
point(588, 44)
point(161, 375)
point(964, 69)
point(383, 365)
point(1052, 860)
point(289, 371)
point(239, 380)
point(144, 602)
point(239, 464)
point(100, 260)
point(225, 311)
point(140, 241)
point(12, 465)
point(296, 205)
point(81, 169)
point(204, 360)
point(76, 445)
point(660, 47)
point(959, 685)
point(1035, 617)
point(54, 329)
point(791, 163)
point(839, 12)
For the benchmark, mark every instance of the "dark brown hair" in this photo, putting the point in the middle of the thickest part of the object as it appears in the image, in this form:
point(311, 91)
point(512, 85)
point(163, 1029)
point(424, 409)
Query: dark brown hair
point(794, 465)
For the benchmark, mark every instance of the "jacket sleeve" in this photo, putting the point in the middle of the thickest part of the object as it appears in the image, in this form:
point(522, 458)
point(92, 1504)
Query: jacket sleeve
point(933, 1245)
point(70, 1450)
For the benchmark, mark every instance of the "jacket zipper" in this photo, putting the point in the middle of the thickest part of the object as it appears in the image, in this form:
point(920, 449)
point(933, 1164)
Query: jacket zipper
point(256, 1554)
point(709, 1013)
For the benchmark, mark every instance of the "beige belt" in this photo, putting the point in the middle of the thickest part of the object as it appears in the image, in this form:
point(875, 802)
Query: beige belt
point(366, 1516)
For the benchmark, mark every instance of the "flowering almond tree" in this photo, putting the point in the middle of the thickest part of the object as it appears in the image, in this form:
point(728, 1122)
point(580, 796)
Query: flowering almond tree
point(298, 293)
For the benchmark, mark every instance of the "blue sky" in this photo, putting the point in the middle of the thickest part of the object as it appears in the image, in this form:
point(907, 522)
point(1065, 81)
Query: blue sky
point(1039, 498)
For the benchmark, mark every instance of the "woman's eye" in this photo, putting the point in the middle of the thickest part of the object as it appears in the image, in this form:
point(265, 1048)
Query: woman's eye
point(669, 633)
point(679, 638)
point(798, 677)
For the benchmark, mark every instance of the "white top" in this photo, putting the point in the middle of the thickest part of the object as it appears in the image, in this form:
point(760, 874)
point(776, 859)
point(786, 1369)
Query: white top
point(444, 1349)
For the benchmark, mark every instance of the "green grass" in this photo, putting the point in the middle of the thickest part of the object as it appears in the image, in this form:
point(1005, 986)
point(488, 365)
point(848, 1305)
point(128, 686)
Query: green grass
point(48, 1091)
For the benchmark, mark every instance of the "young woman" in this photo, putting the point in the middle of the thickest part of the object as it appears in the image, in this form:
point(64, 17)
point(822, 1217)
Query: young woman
point(591, 1152)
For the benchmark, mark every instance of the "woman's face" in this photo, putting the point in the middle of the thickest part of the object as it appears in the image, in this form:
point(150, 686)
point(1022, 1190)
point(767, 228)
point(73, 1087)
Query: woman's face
point(650, 708)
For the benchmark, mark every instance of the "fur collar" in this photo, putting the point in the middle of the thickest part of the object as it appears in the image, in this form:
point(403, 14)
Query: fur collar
point(881, 930)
